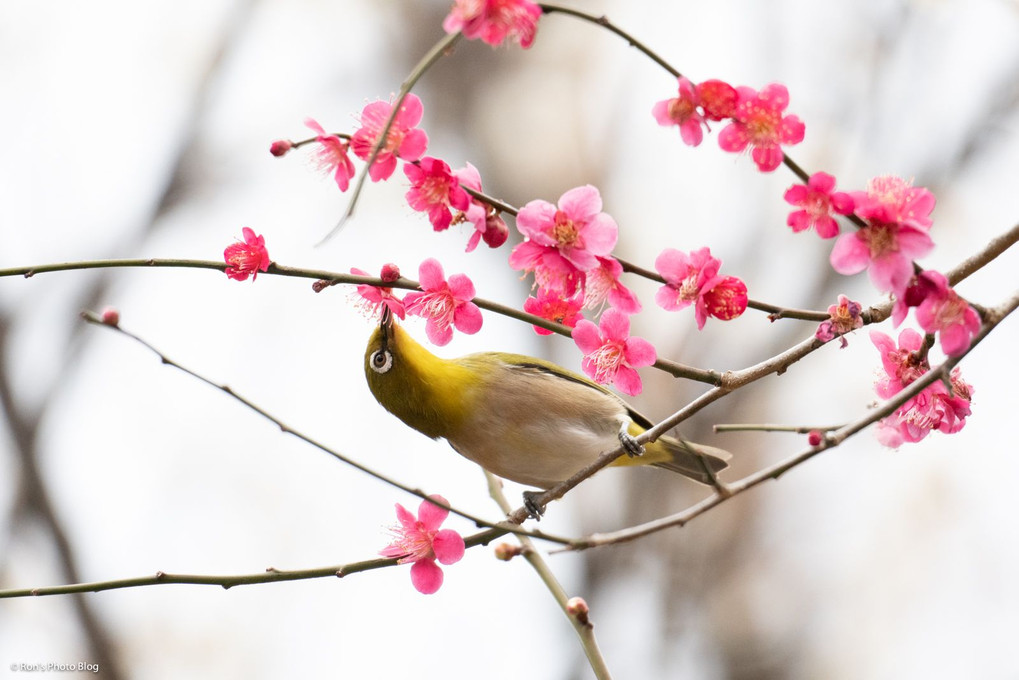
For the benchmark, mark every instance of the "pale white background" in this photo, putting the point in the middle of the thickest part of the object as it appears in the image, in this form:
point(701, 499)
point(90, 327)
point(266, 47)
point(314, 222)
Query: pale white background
point(864, 563)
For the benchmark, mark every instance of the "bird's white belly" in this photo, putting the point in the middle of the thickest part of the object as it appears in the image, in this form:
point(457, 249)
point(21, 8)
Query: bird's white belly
point(536, 454)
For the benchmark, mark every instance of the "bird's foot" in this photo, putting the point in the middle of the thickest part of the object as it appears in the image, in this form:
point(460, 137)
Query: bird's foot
point(534, 509)
point(630, 444)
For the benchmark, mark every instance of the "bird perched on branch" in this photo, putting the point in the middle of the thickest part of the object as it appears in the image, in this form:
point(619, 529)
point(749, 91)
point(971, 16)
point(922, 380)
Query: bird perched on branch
point(519, 417)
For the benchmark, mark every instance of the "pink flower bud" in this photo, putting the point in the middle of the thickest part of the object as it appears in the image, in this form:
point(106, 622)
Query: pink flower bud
point(280, 147)
point(814, 438)
point(110, 316)
point(577, 608)
point(390, 272)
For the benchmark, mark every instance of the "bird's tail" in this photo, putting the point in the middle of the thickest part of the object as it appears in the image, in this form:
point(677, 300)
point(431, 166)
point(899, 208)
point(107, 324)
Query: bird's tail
point(689, 459)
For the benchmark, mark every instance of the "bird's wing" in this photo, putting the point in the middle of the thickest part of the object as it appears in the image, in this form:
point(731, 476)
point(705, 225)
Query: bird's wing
point(525, 363)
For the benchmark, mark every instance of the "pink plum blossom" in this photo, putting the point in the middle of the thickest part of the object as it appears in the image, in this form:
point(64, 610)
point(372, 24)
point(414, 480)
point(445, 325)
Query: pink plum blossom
point(370, 300)
point(692, 279)
point(603, 283)
point(682, 112)
point(331, 155)
point(246, 258)
point(564, 240)
point(493, 21)
point(817, 199)
point(488, 224)
point(418, 540)
point(611, 355)
point(759, 124)
point(845, 317)
point(443, 304)
point(897, 217)
point(549, 305)
point(945, 313)
point(434, 189)
point(404, 139)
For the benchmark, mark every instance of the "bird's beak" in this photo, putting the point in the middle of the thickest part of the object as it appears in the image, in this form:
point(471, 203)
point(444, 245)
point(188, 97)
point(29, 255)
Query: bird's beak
point(385, 326)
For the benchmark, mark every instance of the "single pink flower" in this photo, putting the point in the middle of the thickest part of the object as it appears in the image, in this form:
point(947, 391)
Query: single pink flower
point(434, 189)
point(419, 540)
point(404, 139)
point(604, 283)
point(488, 224)
point(443, 304)
point(564, 241)
point(371, 299)
point(611, 355)
point(945, 313)
point(759, 124)
point(845, 317)
point(331, 155)
point(682, 112)
point(550, 306)
point(897, 217)
point(576, 227)
point(493, 21)
point(718, 99)
point(817, 199)
point(246, 258)
point(693, 279)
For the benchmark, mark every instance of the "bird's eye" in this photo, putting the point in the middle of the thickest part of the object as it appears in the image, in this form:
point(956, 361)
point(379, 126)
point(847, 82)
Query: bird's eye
point(381, 361)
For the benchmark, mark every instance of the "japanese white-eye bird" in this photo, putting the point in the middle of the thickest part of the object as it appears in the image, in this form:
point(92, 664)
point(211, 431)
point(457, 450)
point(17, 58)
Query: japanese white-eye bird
point(521, 418)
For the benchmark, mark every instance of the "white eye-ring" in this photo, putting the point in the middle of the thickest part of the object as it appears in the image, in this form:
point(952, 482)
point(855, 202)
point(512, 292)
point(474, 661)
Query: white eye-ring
point(381, 361)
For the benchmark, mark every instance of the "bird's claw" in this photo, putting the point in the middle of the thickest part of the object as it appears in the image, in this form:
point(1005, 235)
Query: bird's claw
point(531, 504)
point(630, 444)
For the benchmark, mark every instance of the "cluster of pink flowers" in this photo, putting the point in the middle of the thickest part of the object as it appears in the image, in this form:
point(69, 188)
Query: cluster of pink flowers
point(937, 407)
point(420, 542)
point(494, 21)
point(756, 118)
point(435, 189)
point(568, 247)
point(896, 224)
point(444, 304)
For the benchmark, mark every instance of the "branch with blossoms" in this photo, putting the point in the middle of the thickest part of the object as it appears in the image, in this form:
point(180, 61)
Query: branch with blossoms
point(580, 289)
